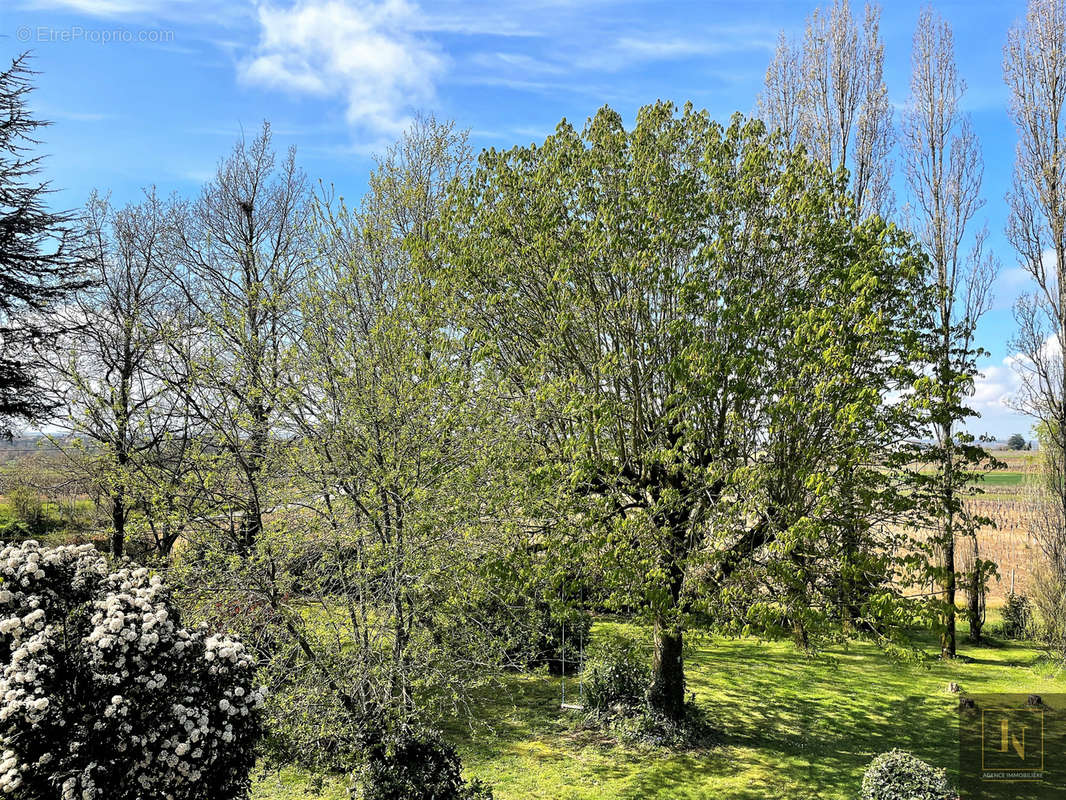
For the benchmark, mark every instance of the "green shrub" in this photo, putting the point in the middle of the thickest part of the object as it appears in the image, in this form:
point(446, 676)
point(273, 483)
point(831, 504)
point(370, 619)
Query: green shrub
point(615, 676)
point(646, 727)
point(1018, 617)
point(897, 775)
point(410, 765)
point(28, 508)
point(14, 530)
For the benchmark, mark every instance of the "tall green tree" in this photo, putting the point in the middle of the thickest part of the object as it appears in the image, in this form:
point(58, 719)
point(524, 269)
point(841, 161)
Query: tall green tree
point(397, 439)
point(375, 570)
point(648, 296)
point(40, 256)
point(943, 165)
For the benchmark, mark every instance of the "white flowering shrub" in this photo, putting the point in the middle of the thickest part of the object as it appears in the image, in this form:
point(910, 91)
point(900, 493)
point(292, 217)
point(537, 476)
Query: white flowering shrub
point(105, 696)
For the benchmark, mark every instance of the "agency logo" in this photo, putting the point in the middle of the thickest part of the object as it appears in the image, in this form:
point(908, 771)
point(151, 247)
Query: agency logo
point(1011, 746)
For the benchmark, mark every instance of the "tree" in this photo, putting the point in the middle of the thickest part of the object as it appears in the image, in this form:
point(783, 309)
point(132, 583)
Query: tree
point(106, 373)
point(239, 255)
point(367, 586)
point(1016, 442)
point(1035, 72)
point(942, 162)
point(829, 95)
point(647, 296)
point(395, 432)
point(39, 253)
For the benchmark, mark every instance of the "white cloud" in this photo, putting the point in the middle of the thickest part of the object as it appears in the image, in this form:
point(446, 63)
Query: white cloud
point(123, 12)
point(364, 52)
point(994, 386)
point(626, 51)
point(127, 15)
point(107, 8)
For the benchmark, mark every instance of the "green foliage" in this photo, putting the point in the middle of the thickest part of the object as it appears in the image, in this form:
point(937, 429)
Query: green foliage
point(413, 765)
point(15, 530)
point(28, 508)
point(41, 257)
point(390, 522)
point(700, 337)
point(897, 775)
point(1016, 442)
point(691, 730)
point(615, 675)
point(532, 634)
point(1018, 617)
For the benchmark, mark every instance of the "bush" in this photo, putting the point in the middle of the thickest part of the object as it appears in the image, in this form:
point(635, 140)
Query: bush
point(1048, 592)
point(14, 530)
point(106, 695)
point(616, 679)
point(897, 775)
point(28, 508)
point(692, 730)
point(1018, 617)
point(616, 676)
point(410, 765)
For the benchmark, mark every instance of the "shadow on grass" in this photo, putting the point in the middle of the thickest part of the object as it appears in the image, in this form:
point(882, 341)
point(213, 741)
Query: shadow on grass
point(790, 725)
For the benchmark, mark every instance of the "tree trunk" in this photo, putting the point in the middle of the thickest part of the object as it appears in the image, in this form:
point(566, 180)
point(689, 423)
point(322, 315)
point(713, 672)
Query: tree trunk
point(251, 524)
point(975, 610)
point(666, 695)
point(118, 522)
point(947, 636)
point(948, 467)
point(252, 516)
point(119, 507)
point(975, 595)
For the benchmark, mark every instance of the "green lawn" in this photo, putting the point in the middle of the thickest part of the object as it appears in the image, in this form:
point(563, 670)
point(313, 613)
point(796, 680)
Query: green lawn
point(790, 726)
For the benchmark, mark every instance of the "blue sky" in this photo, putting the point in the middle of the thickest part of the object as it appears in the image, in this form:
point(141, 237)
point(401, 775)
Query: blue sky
point(154, 92)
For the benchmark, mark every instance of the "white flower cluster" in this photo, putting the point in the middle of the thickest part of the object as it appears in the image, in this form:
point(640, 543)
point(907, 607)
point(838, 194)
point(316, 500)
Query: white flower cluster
point(101, 685)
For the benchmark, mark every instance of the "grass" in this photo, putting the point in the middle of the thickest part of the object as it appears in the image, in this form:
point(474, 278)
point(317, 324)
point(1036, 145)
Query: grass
point(1002, 478)
point(791, 726)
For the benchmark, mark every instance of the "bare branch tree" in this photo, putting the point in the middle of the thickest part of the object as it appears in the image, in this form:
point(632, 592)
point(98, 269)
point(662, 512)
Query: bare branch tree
point(1035, 72)
point(240, 253)
point(104, 371)
point(781, 101)
point(829, 94)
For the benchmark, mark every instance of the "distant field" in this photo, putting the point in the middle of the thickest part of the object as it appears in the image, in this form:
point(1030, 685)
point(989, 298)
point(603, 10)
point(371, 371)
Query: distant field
point(1003, 499)
point(1003, 478)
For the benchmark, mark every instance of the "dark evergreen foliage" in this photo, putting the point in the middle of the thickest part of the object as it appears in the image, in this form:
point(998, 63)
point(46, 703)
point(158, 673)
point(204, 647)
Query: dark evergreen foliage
point(39, 251)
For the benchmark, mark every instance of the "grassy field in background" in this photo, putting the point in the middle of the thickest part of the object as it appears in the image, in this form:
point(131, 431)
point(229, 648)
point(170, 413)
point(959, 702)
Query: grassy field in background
point(790, 726)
